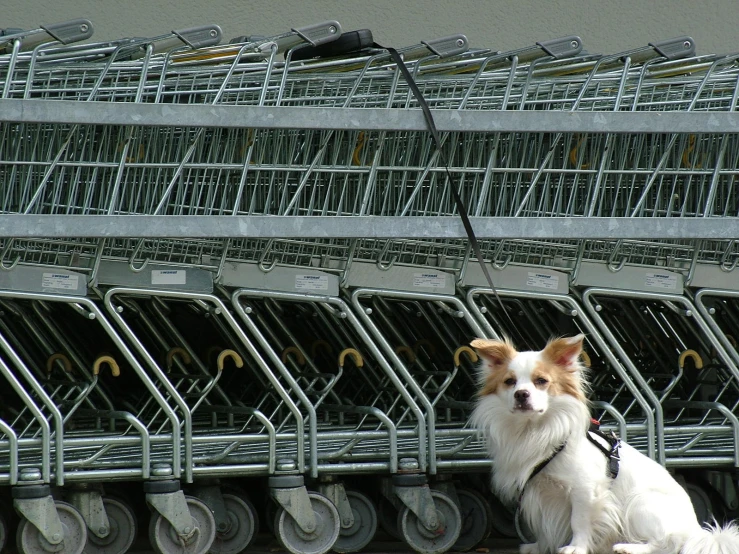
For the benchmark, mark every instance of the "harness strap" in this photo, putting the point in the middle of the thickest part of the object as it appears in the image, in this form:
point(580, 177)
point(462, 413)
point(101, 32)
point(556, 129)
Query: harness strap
point(608, 444)
point(539, 467)
point(598, 438)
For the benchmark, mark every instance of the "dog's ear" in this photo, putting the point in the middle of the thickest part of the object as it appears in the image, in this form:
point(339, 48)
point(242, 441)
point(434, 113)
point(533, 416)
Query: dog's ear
point(495, 353)
point(564, 351)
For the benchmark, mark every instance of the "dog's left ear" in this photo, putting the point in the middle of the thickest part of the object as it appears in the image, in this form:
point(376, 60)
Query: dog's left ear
point(564, 352)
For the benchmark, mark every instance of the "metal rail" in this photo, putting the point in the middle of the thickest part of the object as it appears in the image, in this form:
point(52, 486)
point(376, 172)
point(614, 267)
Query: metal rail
point(362, 119)
point(186, 226)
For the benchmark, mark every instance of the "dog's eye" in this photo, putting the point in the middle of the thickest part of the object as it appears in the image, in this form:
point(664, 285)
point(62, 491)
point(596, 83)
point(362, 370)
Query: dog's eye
point(510, 381)
point(541, 381)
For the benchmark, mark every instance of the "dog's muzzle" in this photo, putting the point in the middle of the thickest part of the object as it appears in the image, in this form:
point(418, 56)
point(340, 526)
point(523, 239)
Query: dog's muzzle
point(522, 398)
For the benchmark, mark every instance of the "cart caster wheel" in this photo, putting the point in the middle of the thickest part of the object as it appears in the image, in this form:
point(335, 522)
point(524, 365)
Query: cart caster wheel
point(426, 541)
point(3, 533)
point(270, 511)
point(297, 541)
point(476, 519)
point(387, 515)
point(701, 502)
point(164, 540)
point(122, 533)
point(502, 519)
point(359, 535)
point(244, 524)
point(30, 540)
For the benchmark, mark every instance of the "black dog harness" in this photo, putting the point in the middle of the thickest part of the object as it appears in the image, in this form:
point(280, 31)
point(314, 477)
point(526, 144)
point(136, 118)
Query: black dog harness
point(608, 444)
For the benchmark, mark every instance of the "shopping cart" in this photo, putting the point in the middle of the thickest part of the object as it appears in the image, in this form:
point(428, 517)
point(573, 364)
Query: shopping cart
point(321, 380)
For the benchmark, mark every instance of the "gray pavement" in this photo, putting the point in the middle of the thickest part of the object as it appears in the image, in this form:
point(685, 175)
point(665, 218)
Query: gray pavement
point(491, 546)
point(265, 544)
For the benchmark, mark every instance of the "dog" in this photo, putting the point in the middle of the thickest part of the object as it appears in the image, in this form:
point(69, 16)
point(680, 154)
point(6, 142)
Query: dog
point(579, 494)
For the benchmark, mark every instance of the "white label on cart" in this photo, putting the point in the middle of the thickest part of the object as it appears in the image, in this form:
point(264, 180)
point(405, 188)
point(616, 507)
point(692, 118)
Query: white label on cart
point(59, 281)
point(661, 281)
point(311, 282)
point(168, 277)
point(429, 280)
point(542, 281)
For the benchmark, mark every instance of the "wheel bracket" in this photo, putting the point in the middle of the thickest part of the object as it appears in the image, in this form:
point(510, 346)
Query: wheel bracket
point(173, 507)
point(212, 496)
point(42, 514)
point(89, 504)
point(336, 493)
point(388, 491)
point(448, 488)
point(296, 502)
point(420, 501)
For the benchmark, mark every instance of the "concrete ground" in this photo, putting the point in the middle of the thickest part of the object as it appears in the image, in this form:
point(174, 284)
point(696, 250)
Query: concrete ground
point(265, 544)
point(491, 546)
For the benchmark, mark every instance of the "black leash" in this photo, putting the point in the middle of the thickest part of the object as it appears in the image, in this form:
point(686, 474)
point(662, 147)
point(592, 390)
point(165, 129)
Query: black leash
point(396, 57)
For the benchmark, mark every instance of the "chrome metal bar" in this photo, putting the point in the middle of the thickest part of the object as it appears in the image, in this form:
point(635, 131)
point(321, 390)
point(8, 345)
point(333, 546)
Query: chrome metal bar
point(362, 119)
point(186, 226)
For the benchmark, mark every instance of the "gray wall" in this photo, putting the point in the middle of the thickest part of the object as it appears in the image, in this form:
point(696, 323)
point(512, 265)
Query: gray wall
point(604, 26)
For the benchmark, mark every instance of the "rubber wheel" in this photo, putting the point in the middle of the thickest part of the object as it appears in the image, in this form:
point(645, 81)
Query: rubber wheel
point(270, 511)
point(29, 539)
point(387, 515)
point(476, 519)
point(421, 539)
point(503, 521)
point(244, 524)
point(3, 532)
point(701, 502)
point(523, 530)
point(164, 539)
point(359, 535)
point(297, 541)
point(123, 530)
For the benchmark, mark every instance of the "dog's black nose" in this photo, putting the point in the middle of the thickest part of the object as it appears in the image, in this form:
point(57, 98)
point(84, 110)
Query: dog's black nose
point(521, 395)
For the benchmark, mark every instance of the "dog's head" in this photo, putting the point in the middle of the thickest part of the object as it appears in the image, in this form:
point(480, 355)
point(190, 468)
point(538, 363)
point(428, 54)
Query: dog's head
point(527, 383)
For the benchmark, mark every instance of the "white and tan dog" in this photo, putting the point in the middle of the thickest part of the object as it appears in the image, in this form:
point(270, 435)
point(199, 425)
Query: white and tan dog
point(532, 408)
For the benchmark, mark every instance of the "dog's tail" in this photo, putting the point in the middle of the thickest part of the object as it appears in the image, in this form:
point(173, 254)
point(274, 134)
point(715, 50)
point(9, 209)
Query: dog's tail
point(713, 539)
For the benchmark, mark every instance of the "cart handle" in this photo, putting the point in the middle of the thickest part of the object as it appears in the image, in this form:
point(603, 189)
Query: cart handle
point(213, 351)
point(470, 354)
point(424, 342)
point(181, 353)
point(293, 350)
point(65, 32)
point(320, 345)
point(361, 138)
point(410, 356)
point(353, 354)
point(730, 338)
point(58, 356)
point(690, 354)
point(112, 364)
point(228, 353)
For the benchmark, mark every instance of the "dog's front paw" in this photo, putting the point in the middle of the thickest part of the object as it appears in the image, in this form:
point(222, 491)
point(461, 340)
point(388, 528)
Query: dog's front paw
point(530, 548)
point(572, 550)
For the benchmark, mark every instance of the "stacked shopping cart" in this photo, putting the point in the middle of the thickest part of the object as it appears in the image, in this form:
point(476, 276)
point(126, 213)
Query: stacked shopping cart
point(235, 276)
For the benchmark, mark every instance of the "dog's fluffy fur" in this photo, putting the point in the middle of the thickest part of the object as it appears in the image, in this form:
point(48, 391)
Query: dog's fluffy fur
point(529, 404)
